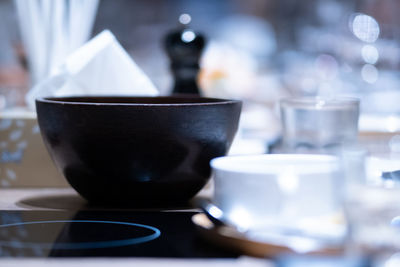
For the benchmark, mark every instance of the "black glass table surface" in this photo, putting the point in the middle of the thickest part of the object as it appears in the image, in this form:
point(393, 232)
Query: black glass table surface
point(103, 233)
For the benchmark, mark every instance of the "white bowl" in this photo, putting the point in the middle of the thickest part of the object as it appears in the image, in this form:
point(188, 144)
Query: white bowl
point(277, 189)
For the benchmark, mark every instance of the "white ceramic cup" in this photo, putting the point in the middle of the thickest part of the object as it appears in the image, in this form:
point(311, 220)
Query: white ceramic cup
point(289, 190)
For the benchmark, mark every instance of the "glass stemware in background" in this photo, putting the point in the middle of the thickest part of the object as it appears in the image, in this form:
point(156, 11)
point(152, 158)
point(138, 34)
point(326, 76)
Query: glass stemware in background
point(372, 208)
point(374, 214)
point(349, 48)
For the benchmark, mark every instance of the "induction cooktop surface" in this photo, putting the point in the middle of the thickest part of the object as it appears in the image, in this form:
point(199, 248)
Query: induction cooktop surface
point(102, 234)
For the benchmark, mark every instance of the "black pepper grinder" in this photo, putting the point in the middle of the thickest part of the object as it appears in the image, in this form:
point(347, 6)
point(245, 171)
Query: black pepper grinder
point(184, 47)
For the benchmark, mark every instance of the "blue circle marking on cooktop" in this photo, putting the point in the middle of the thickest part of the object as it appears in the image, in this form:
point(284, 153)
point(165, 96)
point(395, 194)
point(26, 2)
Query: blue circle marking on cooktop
point(83, 245)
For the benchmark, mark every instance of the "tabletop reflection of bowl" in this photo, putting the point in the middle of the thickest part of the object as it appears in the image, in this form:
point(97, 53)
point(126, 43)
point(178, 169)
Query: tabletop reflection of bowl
point(137, 150)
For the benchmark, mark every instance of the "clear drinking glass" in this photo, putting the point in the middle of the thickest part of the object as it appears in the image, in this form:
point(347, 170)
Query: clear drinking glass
point(316, 124)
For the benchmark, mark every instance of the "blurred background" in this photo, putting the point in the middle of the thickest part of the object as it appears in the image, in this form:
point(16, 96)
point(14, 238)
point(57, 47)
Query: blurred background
point(256, 50)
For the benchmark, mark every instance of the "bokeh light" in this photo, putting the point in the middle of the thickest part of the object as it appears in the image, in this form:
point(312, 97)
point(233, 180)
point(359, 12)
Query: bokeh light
point(188, 36)
point(365, 28)
point(370, 54)
point(369, 73)
point(185, 18)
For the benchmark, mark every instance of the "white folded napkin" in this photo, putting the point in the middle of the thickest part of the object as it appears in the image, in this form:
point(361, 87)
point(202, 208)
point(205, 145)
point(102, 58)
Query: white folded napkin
point(100, 67)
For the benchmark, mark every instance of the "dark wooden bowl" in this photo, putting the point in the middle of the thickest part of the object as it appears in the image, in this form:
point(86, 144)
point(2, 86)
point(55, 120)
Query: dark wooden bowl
point(137, 150)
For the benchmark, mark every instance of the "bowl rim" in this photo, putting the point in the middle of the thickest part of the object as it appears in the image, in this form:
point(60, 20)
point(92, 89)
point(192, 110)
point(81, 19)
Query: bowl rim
point(278, 163)
point(74, 100)
point(320, 102)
